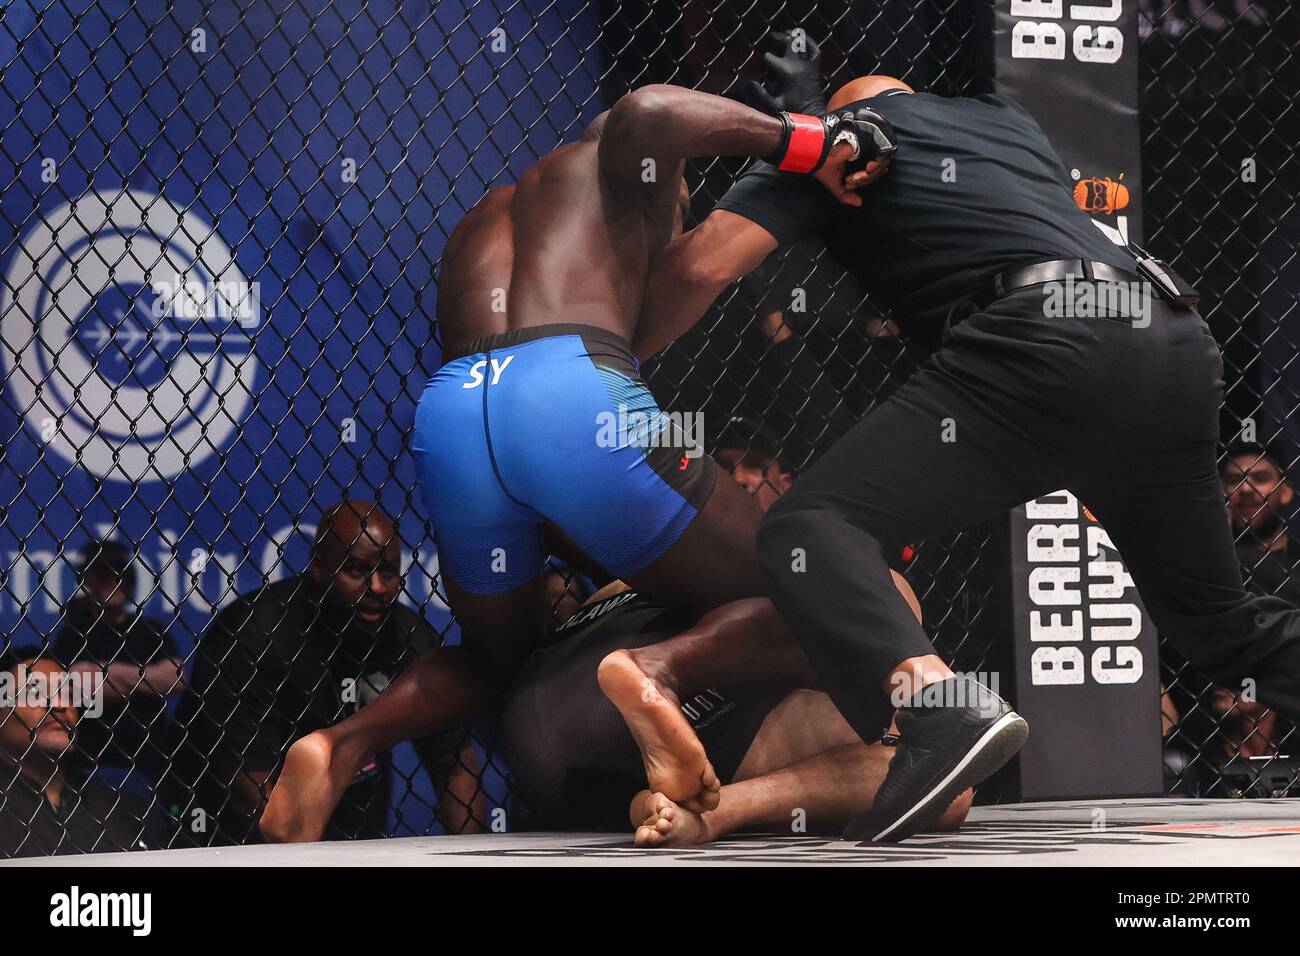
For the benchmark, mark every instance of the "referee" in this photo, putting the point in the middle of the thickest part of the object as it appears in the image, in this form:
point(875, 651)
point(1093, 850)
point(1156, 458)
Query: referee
point(974, 240)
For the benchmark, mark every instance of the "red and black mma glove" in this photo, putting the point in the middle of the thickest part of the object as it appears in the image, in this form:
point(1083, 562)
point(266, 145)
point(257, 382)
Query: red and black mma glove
point(807, 140)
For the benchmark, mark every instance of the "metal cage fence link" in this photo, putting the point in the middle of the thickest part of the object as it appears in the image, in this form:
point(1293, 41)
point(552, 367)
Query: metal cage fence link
point(223, 227)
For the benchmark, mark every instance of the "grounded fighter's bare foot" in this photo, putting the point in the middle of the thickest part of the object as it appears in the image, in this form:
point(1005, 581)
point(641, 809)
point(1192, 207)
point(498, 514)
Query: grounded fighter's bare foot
point(306, 793)
point(675, 762)
point(664, 823)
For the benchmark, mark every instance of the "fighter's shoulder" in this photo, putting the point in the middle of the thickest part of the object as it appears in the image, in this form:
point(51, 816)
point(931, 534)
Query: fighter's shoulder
point(494, 204)
point(580, 157)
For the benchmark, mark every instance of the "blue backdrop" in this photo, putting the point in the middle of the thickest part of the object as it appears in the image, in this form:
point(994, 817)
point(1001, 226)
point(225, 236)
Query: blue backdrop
point(224, 222)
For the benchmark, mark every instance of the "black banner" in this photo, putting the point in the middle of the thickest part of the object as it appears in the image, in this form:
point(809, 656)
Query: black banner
point(1086, 667)
point(1074, 67)
point(1086, 659)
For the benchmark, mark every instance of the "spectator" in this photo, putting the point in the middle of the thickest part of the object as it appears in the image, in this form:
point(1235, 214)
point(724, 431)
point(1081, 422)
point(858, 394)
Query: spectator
point(1246, 727)
point(749, 451)
point(1235, 758)
point(46, 809)
point(104, 631)
point(1260, 501)
point(303, 653)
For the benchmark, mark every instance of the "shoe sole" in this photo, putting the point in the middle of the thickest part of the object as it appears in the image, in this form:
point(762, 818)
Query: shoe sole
point(994, 748)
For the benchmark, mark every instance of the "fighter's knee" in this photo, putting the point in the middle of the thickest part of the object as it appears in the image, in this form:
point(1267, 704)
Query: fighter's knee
point(956, 813)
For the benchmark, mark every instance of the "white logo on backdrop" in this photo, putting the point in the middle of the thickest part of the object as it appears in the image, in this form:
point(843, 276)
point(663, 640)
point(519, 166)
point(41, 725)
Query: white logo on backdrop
point(127, 327)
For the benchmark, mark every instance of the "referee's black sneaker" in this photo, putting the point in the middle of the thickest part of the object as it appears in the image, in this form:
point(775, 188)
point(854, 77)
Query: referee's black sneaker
point(953, 735)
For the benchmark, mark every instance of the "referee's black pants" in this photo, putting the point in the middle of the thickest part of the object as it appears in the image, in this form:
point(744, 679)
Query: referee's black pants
point(1012, 406)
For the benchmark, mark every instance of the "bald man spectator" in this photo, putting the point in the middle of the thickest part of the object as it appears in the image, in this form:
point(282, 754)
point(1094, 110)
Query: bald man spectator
point(303, 653)
point(1260, 503)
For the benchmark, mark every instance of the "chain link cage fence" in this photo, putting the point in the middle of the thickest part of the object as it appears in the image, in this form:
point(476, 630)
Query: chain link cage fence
point(1229, 71)
point(223, 225)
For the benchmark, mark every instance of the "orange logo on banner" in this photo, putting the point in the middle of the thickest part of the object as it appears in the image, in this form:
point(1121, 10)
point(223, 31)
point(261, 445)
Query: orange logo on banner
point(1101, 195)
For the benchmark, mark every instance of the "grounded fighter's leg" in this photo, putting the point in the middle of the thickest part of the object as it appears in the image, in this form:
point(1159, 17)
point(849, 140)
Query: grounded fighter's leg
point(740, 644)
point(713, 562)
point(825, 791)
point(805, 764)
point(676, 763)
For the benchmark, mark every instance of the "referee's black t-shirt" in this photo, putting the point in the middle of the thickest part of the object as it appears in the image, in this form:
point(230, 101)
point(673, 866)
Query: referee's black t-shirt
point(974, 189)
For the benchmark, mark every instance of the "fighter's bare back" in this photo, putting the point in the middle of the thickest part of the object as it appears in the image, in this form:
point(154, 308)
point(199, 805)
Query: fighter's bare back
point(573, 241)
point(561, 246)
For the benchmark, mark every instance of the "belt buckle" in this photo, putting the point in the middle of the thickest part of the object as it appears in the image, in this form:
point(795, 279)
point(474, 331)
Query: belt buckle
point(1172, 286)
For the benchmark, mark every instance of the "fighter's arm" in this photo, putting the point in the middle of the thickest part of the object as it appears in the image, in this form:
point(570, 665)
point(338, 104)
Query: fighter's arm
point(652, 130)
point(691, 271)
point(764, 211)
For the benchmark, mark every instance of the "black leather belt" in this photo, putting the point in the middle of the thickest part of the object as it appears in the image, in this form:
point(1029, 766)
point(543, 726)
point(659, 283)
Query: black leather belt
point(1057, 270)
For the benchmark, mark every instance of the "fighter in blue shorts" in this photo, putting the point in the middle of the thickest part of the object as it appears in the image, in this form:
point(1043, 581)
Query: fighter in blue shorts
point(539, 418)
point(551, 423)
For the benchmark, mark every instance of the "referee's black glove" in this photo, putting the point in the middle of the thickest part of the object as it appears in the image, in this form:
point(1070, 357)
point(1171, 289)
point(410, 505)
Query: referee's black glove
point(796, 75)
point(806, 141)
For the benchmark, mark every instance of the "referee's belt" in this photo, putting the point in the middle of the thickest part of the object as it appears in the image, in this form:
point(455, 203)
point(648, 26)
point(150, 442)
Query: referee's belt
point(1057, 270)
point(1162, 278)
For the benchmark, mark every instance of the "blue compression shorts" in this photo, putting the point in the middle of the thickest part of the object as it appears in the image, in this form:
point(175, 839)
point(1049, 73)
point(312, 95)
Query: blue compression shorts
point(551, 423)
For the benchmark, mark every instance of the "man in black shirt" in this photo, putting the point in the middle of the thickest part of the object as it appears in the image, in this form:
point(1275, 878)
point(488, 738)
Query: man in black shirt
point(104, 632)
point(45, 808)
point(302, 654)
point(975, 242)
point(1260, 500)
